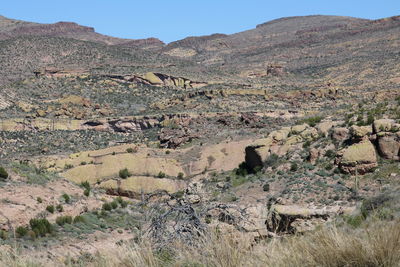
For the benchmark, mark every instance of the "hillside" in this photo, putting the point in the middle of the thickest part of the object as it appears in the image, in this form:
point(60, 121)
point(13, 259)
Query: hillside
point(138, 153)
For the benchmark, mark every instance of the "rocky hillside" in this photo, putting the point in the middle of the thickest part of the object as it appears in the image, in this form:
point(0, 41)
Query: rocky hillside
point(106, 143)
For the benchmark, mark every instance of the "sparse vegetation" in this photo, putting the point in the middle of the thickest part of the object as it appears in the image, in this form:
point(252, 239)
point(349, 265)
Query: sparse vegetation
point(124, 173)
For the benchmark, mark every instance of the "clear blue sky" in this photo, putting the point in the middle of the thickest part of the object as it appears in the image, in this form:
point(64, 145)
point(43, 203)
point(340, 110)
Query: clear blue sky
point(171, 20)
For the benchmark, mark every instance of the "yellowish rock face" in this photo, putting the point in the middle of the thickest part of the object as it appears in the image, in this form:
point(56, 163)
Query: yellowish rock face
point(143, 184)
point(152, 78)
point(359, 153)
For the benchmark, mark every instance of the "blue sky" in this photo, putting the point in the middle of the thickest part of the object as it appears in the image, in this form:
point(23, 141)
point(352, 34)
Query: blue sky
point(171, 20)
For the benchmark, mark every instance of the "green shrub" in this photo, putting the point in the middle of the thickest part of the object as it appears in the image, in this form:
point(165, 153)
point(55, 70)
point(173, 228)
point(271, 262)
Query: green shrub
point(66, 198)
point(39, 200)
point(68, 166)
point(3, 173)
point(41, 227)
point(60, 208)
point(180, 175)
point(61, 220)
point(161, 175)
point(294, 167)
point(312, 121)
point(129, 150)
point(330, 153)
point(124, 173)
point(50, 208)
point(3, 234)
point(114, 204)
point(79, 219)
point(86, 192)
point(266, 187)
point(85, 185)
point(21, 231)
point(107, 206)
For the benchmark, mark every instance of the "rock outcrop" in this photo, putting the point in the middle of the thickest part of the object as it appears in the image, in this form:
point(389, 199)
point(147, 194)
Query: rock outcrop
point(358, 158)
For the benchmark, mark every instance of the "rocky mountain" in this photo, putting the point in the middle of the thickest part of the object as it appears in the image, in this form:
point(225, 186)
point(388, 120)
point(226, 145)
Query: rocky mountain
point(110, 144)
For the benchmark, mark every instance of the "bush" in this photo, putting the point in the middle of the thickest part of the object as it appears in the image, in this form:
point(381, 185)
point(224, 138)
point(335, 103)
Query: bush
point(39, 200)
point(161, 175)
point(107, 206)
point(180, 175)
point(294, 167)
point(50, 208)
point(124, 173)
point(86, 192)
point(66, 198)
point(21, 231)
point(129, 150)
point(3, 173)
point(330, 153)
point(266, 187)
point(79, 219)
point(312, 121)
point(114, 204)
point(41, 227)
point(61, 220)
point(3, 234)
point(85, 185)
point(60, 208)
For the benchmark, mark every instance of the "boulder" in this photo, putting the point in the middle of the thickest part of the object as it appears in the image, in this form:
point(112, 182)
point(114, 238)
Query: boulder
point(388, 145)
point(280, 135)
point(324, 127)
point(299, 128)
point(359, 158)
point(340, 134)
point(358, 132)
point(383, 125)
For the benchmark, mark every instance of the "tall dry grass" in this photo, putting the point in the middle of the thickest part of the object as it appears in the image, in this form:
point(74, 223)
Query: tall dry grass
point(377, 244)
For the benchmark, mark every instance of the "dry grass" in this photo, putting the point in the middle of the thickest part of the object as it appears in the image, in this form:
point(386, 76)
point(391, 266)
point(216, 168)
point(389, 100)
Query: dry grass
point(375, 245)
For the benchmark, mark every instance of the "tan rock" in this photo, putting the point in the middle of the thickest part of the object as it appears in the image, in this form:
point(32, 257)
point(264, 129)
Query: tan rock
point(358, 132)
point(340, 134)
point(359, 158)
point(383, 125)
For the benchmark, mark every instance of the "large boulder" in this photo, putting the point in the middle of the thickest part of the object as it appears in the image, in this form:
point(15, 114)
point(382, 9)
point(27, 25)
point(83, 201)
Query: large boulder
point(383, 125)
point(358, 132)
point(359, 158)
point(340, 134)
point(388, 145)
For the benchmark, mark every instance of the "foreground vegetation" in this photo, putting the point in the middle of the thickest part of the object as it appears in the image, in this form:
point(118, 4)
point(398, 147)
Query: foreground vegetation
point(377, 243)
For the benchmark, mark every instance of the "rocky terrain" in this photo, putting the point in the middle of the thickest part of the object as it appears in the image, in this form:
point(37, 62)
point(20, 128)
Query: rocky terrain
point(111, 145)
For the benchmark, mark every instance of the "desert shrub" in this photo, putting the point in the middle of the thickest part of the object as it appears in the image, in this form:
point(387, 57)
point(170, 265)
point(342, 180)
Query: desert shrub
point(68, 166)
point(79, 219)
point(66, 198)
point(86, 192)
point(266, 187)
point(61, 220)
point(39, 200)
point(85, 185)
point(114, 204)
point(312, 121)
point(50, 208)
point(271, 160)
point(3, 173)
point(124, 173)
point(180, 175)
point(161, 175)
point(107, 206)
point(3, 234)
point(41, 226)
point(21, 231)
point(294, 167)
point(60, 208)
point(330, 153)
point(130, 150)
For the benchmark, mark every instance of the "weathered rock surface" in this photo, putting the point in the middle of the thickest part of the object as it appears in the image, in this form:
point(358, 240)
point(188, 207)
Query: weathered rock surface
point(359, 158)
